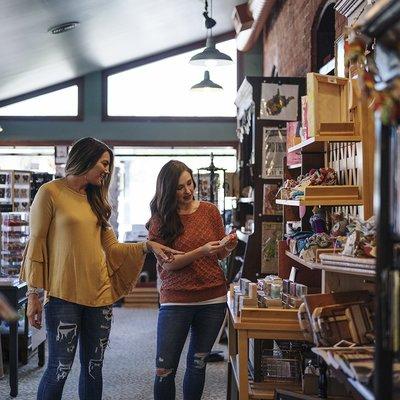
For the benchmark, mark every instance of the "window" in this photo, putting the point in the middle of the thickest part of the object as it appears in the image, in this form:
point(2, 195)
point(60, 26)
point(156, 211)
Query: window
point(137, 170)
point(162, 88)
point(37, 158)
point(63, 102)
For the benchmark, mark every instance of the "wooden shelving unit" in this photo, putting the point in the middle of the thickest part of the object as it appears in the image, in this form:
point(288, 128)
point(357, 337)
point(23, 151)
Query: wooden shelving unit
point(345, 144)
point(258, 323)
point(259, 136)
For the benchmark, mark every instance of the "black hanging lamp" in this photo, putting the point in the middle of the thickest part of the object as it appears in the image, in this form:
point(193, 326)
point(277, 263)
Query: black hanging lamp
point(210, 56)
point(206, 84)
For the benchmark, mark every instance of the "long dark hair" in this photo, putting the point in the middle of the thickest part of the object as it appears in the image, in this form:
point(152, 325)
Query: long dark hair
point(83, 156)
point(164, 204)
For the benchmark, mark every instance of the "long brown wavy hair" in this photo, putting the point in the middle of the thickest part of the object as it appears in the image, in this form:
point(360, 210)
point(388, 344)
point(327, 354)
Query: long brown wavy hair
point(164, 204)
point(83, 156)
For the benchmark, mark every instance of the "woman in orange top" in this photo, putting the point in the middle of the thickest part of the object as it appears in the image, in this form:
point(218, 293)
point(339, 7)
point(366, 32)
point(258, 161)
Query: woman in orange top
point(193, 286)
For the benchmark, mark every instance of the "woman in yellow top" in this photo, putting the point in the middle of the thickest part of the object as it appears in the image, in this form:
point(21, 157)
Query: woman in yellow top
point(74, 256)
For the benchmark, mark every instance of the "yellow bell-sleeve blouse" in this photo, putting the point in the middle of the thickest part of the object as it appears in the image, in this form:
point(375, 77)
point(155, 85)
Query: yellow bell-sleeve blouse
point(71, 256)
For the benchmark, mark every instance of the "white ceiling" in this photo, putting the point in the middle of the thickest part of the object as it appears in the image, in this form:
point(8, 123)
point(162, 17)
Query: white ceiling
point(110, 32)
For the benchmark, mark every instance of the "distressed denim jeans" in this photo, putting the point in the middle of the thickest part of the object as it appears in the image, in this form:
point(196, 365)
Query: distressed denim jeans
point(67, 322)
point(174, 324)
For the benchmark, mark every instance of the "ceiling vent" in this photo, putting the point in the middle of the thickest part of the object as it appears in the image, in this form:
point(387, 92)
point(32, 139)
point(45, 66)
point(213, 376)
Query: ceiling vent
point(61, 28)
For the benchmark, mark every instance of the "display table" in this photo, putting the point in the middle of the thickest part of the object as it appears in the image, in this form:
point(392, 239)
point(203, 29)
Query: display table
point(16, 295)
point(257, 323)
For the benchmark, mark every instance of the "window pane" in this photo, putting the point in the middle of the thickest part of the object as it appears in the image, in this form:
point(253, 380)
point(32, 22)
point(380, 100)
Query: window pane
point(37, 158)
point(139, 168)
point(60, 103)
point(162, 88)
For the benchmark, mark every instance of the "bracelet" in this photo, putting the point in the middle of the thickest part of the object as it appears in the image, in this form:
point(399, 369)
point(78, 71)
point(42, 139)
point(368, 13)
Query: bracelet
point(32, 290)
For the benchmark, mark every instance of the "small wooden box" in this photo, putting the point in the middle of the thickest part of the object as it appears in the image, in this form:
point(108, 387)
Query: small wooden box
point(328, 106)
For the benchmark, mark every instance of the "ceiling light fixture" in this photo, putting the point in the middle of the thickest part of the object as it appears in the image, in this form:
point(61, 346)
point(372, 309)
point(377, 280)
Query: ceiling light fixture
point(1, 129)
point(210, 56)
point(61, 28)
point(206, 84)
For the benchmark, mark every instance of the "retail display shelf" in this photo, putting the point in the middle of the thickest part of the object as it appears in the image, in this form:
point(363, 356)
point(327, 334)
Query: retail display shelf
point(298, 259)
point(337, 195)
point(344, 270)
point(332, 268)
point(348, 265)
point(316, 143)
point(320, 202)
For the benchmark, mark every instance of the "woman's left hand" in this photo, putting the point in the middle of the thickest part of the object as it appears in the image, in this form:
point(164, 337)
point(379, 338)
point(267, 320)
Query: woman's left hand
point(161, 252)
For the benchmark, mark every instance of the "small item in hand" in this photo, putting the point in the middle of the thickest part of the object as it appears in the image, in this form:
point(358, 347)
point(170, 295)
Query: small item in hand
point(228, 238)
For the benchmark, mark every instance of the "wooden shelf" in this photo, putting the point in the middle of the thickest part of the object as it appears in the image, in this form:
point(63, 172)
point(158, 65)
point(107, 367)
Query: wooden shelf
point(316, 143)
point(346, 271)
point(266, 390)
point(348, 265)
point(312, 202)
point(332, 268)
point(298, 259)
point(337, 195)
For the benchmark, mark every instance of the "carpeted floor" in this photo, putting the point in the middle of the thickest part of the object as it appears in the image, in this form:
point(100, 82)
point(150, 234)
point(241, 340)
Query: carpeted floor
point(128, 364)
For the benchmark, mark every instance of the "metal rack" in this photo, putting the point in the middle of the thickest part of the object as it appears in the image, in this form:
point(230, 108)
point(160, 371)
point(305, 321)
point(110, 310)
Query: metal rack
point(212, 171)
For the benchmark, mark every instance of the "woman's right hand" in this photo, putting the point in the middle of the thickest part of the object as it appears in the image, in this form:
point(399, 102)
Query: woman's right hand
point(34, 311)
point(211, 248)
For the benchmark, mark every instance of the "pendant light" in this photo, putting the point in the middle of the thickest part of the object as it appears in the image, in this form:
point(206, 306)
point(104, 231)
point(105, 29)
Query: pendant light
point(206, 84)
point(210, 56)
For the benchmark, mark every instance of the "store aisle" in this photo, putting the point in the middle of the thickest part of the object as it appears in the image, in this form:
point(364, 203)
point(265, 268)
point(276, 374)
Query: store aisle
point(128, 366)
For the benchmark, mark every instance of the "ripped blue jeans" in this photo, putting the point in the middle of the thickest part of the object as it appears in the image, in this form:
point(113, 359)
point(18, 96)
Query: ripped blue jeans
point(174, 324)
point(65, 323)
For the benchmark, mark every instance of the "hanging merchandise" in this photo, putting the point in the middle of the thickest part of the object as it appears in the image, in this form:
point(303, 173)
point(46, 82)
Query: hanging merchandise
point(362, 54)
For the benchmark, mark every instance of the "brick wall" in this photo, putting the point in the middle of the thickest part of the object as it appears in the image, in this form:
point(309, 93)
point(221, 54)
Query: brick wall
point(288, 36)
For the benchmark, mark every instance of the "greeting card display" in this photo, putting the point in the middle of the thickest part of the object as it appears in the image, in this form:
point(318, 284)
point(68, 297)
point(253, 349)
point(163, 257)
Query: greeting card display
point(271, 233)
point(274, 150)
point(14, 235)
point(279, 102)
point(269, 205)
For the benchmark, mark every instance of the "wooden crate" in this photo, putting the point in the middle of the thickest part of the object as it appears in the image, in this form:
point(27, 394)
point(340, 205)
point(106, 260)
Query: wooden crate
point(328, 106)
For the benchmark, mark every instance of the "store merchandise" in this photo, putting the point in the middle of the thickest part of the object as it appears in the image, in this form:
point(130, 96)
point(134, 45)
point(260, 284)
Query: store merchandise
point(14, 236)
point(14, 190)
point(37, 180)
point(333, 317)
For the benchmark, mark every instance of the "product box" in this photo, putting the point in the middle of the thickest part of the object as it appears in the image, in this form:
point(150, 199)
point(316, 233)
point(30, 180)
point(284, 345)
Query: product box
point(292, 134)
point(305, 134)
